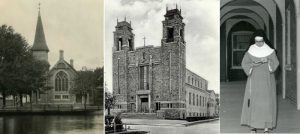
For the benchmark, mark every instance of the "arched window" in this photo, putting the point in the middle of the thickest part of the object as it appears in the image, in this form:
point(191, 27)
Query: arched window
point(61, 81)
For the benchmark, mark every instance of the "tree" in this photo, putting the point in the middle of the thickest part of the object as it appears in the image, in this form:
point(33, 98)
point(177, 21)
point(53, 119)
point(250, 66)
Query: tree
point(13, 48)
point(20, 73)
point(110, 101)
point(98, 74)
point(84, 84)
point(34, 77)
point(87, 81)
point(98, 94)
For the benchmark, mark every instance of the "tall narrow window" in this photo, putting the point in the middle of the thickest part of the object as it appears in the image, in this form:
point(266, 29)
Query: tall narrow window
point(190, 98)
point(130, 44)
point(192, 81)
point(200, 101)
point(170, 34)
point(182, 34)
point(144, 55)
point(120, 44)
point(144, 77)
point(194, 99)
point(119, 91)
point(61, 81)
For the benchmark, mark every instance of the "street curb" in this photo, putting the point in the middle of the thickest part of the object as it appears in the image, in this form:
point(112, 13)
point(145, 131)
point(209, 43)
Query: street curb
point(152, 124)
point(197, 122)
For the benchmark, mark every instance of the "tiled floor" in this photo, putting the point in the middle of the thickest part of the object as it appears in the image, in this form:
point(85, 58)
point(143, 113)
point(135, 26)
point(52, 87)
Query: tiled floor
point(232, 94)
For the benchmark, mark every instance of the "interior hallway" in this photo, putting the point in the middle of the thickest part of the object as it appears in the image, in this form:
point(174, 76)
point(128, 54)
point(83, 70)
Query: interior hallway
point(232, 94)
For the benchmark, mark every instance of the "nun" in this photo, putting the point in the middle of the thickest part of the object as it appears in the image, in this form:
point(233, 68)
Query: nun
point(259, 64)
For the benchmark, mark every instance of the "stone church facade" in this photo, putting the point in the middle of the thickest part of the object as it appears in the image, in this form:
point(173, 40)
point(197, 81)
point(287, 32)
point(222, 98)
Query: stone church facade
point(61, 76)
point(155, 79)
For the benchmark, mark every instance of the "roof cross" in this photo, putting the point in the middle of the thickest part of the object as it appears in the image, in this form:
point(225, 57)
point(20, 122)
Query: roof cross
point(39, 6)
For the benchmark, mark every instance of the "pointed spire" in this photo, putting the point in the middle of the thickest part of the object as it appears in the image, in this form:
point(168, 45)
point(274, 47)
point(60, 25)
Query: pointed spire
point(39, 43)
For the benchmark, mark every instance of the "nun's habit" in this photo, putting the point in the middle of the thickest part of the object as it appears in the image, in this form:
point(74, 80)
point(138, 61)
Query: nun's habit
point(259, 106)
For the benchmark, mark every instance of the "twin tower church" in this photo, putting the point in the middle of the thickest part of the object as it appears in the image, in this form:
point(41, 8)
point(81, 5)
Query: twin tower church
point(155, 80)
point(61, 76)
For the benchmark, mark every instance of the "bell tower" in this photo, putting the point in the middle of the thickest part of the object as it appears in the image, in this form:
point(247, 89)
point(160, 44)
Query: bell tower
point(122, 46)
point(123, 36)
point(173, 27)
point(173, 56)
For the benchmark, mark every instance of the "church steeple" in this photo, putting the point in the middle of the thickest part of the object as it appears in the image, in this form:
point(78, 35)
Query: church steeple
point(39, 43)
point(40, 49)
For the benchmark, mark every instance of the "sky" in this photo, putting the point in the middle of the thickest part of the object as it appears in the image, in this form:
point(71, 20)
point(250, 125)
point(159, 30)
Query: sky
point(75, 26)
point(201, 32)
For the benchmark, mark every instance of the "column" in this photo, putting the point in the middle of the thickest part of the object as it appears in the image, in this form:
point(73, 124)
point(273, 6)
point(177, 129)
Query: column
point(283, 58)
point(136, 103)
point(149, 102)
point(298, 60)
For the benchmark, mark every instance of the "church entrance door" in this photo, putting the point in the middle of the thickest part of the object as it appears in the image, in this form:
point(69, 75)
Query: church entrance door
point(144, 105)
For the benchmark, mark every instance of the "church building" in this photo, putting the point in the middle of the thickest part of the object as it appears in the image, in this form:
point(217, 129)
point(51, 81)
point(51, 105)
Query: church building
point(60, 77)
point(154, 79)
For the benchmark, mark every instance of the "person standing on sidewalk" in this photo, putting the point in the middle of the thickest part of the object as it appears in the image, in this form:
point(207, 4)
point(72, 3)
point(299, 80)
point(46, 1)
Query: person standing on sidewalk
point(259, 106)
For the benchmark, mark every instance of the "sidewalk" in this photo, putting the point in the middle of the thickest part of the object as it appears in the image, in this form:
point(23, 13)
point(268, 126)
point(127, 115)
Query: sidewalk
point(232, 94)
point(211, 127)
point(153, 122)
point(160, 122)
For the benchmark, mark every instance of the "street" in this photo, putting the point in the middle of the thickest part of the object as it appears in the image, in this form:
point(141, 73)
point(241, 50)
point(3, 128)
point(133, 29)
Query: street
point(175, 127)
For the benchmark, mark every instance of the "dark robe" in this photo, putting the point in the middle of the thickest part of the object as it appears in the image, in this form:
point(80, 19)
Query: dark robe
point(259, 106)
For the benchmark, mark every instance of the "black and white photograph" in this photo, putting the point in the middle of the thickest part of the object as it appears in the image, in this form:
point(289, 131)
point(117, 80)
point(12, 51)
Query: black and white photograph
point(149, 66)
point(162, 66)
point(51, 67)
point(259, 66)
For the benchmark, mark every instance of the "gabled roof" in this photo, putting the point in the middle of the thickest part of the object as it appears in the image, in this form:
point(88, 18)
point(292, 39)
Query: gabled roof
point(39, 43)
point(64, 62)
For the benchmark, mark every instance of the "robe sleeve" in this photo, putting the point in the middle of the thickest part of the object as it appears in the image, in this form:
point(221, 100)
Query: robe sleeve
point(273, 62)
point(247, 64)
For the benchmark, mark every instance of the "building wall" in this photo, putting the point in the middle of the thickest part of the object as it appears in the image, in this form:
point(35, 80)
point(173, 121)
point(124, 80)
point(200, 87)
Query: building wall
point(53, 93)
point(197, 96)
point(196, 104)
point(49, 96)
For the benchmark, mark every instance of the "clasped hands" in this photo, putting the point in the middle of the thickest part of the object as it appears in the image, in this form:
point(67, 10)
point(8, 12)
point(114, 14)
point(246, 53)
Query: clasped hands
point(259, 62)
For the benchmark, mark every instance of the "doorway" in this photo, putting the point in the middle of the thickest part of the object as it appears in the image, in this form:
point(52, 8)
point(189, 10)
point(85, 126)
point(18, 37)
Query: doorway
point(144, 105)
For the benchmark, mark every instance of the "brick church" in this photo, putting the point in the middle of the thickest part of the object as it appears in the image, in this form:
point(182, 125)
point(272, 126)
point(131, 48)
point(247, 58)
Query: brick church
point(155, 79)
